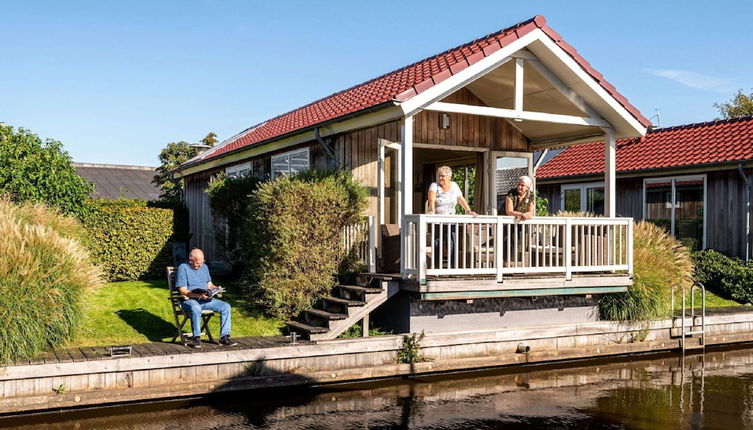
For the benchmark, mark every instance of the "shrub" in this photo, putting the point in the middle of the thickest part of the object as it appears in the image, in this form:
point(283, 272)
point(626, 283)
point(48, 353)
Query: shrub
point(661, 266)
point(44, 275)
point(229, 199)
point(37, 171)
point(731, 278)
point(128, 240)
point(293, 237)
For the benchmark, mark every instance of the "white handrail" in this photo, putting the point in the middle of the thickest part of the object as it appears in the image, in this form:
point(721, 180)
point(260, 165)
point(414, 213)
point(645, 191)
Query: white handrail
point(438, 245)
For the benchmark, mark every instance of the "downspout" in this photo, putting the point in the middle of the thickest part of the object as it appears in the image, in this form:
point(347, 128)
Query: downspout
point(328, 151)
point(746, 209)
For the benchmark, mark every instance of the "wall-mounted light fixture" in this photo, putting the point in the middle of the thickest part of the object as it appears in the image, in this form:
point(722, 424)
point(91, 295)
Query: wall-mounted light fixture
point(444, 121)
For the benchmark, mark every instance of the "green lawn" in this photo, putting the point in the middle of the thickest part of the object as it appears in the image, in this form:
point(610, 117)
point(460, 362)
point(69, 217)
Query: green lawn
point(137, 312)
point(712, 300)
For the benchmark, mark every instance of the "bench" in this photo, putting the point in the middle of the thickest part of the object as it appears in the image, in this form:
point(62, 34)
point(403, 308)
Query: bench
point(176, 299)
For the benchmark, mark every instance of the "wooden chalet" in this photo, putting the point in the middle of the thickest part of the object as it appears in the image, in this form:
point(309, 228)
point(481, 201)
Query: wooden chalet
point(480, 107)
point(693, 179)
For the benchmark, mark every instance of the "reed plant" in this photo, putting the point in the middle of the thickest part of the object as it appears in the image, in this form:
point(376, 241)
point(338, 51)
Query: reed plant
point(661, 267)
point(45, 273)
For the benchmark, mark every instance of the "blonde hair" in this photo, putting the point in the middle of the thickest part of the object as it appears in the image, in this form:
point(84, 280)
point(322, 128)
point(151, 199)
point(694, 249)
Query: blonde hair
point(446, 170)
point(527, 181)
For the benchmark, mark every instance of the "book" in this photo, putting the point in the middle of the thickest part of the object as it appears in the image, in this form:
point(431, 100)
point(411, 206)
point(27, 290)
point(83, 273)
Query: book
point(209, 292)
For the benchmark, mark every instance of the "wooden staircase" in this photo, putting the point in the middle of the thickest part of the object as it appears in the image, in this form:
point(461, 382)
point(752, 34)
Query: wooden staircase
point(347, 305)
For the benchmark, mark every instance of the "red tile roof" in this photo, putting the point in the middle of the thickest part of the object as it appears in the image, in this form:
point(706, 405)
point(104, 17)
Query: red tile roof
point(402, 84)
point(722, 141)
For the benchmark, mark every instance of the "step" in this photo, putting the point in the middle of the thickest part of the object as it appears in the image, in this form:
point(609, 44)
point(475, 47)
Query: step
point(302, 328)
point(689, 331)
point(343, 302)
point(359, 289)
point(330, 316)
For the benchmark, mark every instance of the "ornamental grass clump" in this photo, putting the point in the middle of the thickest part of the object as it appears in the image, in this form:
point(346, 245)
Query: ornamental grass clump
point(45, 273)
point(661, 267)
point(293, 238)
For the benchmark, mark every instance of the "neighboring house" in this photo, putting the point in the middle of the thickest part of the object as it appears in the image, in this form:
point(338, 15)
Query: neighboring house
point(487, 104)
point(692, 179)
point(114, 181)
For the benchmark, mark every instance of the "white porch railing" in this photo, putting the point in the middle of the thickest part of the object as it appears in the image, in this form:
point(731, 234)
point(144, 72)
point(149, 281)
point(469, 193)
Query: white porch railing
point(437, 245)
point(359, 237)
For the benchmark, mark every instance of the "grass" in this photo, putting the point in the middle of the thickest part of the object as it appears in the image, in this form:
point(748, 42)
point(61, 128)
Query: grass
point(137, 312)
point(712, 300)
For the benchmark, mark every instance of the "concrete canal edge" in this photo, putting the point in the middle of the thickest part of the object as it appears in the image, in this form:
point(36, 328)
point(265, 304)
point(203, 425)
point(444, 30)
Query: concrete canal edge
point(37, 387)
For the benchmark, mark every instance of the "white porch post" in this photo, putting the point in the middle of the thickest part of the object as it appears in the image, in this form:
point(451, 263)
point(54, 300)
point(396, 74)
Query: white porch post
point(610, 170)
point(406, 184)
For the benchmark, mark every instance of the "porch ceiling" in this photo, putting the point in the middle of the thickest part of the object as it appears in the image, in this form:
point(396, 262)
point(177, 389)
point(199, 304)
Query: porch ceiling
point(543, 94)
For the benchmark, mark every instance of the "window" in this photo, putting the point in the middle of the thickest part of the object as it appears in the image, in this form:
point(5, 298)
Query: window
point(290, 162)
point(583, 198)
point(239, 170)
point(685, 219)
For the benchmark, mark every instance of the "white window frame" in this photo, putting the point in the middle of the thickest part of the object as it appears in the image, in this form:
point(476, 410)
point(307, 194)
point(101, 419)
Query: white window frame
point(289, 155)
point(237, 170)
point(583, 187)
point(673, 180)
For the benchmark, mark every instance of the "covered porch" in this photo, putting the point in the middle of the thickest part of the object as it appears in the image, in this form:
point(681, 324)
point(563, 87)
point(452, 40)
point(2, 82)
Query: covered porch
point(495, 114)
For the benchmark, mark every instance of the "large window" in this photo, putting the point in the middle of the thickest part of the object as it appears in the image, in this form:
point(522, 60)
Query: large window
point(678, 205)
point(583, 198)
point(290, 162)
point(239, 170)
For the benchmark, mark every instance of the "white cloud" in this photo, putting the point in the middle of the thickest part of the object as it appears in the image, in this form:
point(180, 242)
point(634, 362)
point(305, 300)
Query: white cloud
point(694, 80)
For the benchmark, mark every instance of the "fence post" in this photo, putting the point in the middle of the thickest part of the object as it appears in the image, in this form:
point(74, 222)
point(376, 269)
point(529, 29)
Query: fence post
point(629, 243)
point(568, 250)
point(498, 249)
point(421, 254)
point(372, 244)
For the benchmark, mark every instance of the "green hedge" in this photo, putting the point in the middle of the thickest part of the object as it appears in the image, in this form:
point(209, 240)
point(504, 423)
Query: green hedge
point(293, 238)
point(730, 278)
point(44, 277)
point(129, 240)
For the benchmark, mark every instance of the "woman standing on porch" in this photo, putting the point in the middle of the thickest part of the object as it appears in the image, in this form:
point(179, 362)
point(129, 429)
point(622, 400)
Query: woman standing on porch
point(444, 195)
point(520, 201)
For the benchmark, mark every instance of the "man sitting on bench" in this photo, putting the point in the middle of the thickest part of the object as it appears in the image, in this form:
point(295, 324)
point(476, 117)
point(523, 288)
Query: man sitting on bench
point(194, 275)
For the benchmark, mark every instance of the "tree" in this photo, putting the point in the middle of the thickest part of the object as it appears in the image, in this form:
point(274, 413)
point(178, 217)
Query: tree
point(37, 171)
point(740, 105)
point(210, 139)
point(172, 156)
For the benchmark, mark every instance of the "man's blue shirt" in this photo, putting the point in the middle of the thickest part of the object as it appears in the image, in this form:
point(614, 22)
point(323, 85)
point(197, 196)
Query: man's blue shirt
point(192, 278)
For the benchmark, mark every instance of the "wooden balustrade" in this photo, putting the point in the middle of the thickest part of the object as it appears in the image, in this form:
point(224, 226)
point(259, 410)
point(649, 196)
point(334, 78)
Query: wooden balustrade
point(437, 245)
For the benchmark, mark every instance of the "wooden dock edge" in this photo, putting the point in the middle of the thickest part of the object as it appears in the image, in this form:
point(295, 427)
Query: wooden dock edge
point(65, 385)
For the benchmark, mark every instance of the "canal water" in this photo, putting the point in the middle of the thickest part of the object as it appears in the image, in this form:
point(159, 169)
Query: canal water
point(670, 391)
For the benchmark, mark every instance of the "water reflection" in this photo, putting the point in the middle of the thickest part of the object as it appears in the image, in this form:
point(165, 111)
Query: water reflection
point(648, 392)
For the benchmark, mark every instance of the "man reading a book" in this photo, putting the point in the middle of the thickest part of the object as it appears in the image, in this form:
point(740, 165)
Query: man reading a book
point(194, 282)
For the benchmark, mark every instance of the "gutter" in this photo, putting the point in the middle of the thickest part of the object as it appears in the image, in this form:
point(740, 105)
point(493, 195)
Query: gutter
point(746, 209)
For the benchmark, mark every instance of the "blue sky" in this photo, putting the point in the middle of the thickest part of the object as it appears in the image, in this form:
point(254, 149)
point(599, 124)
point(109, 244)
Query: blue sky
point(117, 81)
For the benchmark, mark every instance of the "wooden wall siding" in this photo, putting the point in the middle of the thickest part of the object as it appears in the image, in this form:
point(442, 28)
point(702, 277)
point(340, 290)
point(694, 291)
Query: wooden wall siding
point(469, 130)
point(358, 152)
point(725, 220)
point(629, 199)
point(550, 192)
point(200, 219)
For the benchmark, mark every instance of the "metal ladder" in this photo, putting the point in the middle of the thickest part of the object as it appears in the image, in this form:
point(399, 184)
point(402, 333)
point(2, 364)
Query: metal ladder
point(688, 331)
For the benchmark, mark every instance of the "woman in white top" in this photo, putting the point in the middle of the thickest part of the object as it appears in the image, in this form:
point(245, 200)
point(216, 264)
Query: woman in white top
point(444, 195)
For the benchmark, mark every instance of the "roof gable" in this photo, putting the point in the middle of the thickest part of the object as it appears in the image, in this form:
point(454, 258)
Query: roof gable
point(400, 86)
point(722, 141)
